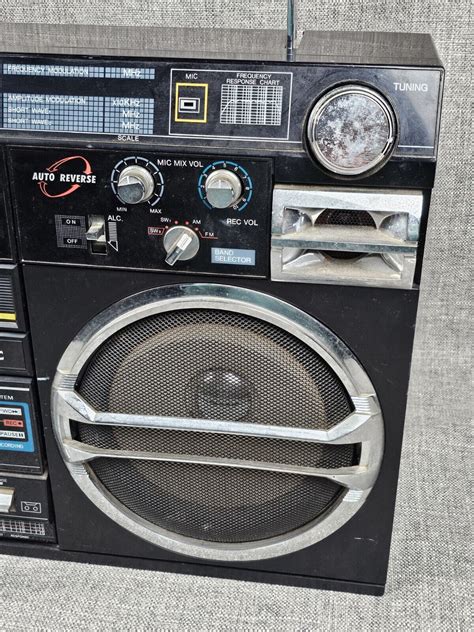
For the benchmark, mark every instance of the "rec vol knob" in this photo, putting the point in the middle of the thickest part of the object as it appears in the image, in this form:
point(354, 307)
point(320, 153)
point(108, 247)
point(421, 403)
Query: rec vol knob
point(180, 243)
point(223, 188)
point(135, 185)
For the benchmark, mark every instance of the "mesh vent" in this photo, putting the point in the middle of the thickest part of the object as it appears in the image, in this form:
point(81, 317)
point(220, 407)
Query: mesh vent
point(338, 217)
point(26, 529)
point(213, 364)
point(22, 527)
point(259, 449)
point(7, 293)
point(216, 504)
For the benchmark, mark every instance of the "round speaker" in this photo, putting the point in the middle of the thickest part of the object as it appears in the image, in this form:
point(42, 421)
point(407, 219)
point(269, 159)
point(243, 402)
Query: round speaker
point(217, 422)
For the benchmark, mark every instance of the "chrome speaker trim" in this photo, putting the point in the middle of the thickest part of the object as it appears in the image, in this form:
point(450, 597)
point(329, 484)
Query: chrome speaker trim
point(364, 425)
point(388, 250)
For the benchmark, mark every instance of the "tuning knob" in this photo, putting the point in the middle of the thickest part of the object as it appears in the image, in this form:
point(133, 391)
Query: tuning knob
point(181, 243)
point(223, 188)
point(352, 130)
point(135, 185)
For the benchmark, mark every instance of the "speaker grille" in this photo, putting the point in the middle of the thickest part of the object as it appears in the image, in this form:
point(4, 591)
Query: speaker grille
point(214, 364)
point(216, 504)
point(260, 449)
point(339, 217)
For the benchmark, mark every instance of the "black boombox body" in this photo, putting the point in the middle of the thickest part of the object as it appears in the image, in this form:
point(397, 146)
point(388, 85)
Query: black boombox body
point(210, 273)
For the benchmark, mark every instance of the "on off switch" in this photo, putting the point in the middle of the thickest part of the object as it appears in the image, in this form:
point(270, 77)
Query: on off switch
point(95, 234)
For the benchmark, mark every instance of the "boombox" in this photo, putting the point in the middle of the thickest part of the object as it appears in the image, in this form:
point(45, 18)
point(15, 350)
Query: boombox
point(211, 247)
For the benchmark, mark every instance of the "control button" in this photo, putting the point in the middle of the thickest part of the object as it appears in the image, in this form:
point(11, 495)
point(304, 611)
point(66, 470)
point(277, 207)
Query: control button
point(96, 228)
point(10, 301)
point(180, 243)
point(351, 130)
point(191, 102)
point(223, 188)
point(14, 354)
point(19, 445)
point(95, 234)
point(6, 499)
point(135, 185)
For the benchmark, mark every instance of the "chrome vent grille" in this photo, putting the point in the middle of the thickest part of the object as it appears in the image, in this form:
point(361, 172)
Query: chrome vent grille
point(219, 446)
point(26, 529)
point(347, 236)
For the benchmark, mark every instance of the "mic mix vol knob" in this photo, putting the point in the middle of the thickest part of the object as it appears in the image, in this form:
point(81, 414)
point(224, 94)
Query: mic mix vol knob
point(135, 185)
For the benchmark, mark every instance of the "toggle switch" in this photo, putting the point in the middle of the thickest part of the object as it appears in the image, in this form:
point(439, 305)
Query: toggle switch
point(6, 499)
point(95, 234)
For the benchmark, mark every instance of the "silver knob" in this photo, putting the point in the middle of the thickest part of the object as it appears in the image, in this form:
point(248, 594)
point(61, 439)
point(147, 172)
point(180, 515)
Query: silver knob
point(351, 130)
point(223, 188)
point(181, 243)
point(135, 185)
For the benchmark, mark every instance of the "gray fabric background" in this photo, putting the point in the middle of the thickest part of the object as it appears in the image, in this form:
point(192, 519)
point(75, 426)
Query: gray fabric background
point(430, 583)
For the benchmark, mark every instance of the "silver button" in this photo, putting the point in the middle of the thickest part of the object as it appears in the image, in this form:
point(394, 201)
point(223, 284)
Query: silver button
point(6, 499)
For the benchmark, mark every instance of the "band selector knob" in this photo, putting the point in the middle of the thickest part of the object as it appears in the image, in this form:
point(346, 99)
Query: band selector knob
point(181, 244)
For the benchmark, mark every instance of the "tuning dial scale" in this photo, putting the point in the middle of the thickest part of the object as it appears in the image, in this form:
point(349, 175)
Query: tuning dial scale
point(225, 184)
point(136, 180)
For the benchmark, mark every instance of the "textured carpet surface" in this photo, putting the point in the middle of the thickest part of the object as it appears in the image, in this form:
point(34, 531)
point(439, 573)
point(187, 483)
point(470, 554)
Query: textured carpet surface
point(430, 576)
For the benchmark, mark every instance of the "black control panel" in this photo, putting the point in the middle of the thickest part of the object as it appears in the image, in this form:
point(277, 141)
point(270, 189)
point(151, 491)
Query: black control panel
point(25, 498)
point(188, 103)
point(154, 211)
